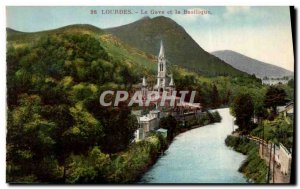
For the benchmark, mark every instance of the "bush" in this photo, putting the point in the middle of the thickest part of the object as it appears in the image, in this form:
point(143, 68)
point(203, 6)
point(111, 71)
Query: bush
point(253, 167)
point(127, 166)
point(216, 116)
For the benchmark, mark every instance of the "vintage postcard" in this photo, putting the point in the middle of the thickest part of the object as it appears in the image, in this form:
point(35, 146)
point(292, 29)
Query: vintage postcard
point(150, 95)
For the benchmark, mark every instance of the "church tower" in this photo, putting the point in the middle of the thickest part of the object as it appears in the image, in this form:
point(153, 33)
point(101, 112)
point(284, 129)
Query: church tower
point(144, 88)
point(161, 70)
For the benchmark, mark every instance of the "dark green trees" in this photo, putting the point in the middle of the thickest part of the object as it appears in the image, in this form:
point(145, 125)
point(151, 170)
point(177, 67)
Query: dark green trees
point(275, 96)
point(56, 129)
point(243, 108)
point(214, 95)
point(170, 124)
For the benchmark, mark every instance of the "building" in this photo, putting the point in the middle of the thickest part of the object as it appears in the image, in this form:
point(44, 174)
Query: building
point(147, 123)
point(286, 110)
point(165, 84)
point(274, 81)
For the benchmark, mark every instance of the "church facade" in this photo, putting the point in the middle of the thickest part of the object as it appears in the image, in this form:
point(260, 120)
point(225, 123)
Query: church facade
point(165, 86)
point(165, 82)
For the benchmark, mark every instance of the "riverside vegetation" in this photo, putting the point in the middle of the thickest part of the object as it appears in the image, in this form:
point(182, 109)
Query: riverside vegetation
point(253, 167)
point(270, 126)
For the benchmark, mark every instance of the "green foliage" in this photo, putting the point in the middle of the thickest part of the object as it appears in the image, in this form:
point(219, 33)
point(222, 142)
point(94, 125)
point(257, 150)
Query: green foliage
point(215, 97)
point(127, 166)
point(119, 127)
point(209, 117)
point(206, 118)
point(279, 130)
point(30, 143)
point(216, 116)
point(239, 144)
point(291, 83)
point(54, 117)
point(243, 109)
point(275, 96)
point(170, 124)
point(87, 169)
point(56, 130)
point(253, 167)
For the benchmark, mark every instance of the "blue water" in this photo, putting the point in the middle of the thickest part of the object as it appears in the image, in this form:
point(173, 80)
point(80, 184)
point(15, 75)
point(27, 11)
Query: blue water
point(199, 156)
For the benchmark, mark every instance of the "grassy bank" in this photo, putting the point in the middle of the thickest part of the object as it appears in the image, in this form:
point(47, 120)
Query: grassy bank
point(254, 168)
point(124, 167)
point(130, 165)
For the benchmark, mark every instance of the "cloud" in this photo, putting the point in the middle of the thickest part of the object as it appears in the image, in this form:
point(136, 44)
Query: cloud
point(237, 9)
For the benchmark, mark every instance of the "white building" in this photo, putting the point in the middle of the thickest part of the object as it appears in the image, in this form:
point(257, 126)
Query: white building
point(165, 83)
point(150, 121)
point(274, 81)
point(147, 123)
point(286, 110)
point(283, 158)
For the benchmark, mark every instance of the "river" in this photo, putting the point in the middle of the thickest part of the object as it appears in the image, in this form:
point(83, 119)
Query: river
point(199, 156)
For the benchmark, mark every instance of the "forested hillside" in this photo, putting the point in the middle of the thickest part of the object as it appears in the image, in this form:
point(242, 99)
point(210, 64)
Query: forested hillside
point(56, 129)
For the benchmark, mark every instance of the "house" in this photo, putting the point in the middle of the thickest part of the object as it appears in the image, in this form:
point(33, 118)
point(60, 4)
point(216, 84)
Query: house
point(286, 110)
point(283, 158)
point(147, 123)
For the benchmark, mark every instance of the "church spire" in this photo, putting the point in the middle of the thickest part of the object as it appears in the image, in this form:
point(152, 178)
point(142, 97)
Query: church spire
point(172, 84)
point(162, 50)
point(161, 69)
point(144, 83)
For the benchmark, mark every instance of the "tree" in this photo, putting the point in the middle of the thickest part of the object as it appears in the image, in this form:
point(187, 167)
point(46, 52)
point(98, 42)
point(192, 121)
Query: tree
point(243, 108)
point(170, 124)
point(215, 99)
point(90, 168)
point(261, 113)
point(275, 96)
point(30, 143)
point(119, 128)
point(291, 83)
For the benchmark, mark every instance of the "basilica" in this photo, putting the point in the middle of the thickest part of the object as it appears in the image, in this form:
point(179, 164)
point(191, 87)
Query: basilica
point(165, 86)
point(165, 83)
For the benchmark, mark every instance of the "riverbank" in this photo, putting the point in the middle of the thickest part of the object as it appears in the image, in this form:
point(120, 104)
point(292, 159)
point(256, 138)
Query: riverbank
point(209, 118)
point(193, 157)
point(254, 168)
point(130, 165)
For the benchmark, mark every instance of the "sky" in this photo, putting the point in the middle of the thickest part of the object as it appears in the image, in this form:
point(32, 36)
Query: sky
point(262, 33)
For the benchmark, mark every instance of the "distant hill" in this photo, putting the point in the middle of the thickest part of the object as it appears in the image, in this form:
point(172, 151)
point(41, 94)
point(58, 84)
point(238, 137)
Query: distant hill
point(116, 48)
point(251, 66)
point(18, 36)
point(146, 34)
point(139, 42)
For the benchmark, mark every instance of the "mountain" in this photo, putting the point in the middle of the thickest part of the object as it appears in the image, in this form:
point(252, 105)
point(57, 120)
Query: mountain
point(146, 34)
point(250, 65)
point(18, 36)
point(116, 48)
